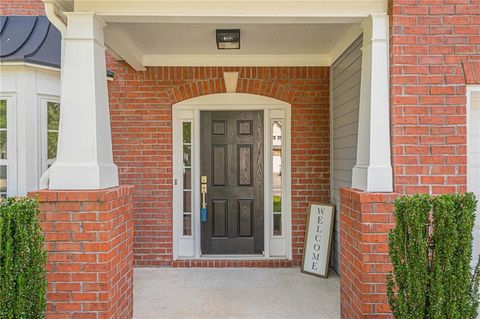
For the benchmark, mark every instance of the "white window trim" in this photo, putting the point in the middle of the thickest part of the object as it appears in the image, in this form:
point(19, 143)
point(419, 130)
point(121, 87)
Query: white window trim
point(471, 122)
point(43, 127)
point(190, 247)
point(11, 161)
point(473, 162)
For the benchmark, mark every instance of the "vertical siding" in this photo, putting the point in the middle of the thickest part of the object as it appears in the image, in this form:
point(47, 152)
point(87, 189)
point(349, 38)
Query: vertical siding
point(346, 73)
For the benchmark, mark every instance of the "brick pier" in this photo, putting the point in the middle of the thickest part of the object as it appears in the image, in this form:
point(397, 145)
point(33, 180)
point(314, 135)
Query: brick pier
point(89, 242)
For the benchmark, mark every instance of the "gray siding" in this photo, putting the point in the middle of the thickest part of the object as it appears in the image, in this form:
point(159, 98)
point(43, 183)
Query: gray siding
point(346, 73)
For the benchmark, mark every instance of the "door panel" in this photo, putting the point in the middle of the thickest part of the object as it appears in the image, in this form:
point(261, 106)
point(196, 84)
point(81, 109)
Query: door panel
point(232, 160)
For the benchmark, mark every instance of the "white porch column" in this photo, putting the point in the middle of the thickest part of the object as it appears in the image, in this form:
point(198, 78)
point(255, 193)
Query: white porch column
point(373, 170)
point(84, 156)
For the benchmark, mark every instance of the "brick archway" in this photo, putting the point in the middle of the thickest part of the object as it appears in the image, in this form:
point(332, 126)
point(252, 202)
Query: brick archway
point(261, 87)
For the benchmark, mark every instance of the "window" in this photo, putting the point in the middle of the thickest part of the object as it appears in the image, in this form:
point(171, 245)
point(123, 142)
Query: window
point(277, 177)
point(49, 130)
point(3, 148)
point(53, 120)
point(187, 177)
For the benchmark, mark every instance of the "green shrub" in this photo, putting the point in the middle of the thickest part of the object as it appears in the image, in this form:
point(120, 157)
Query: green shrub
point(431, 250)
point(22, 260)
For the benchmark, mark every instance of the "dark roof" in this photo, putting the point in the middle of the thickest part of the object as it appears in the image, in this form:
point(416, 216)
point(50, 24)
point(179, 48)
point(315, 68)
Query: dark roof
point(29, 39)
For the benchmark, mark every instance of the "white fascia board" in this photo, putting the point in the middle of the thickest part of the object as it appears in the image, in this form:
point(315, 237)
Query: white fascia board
point(192, 19)
point(238, 60)
point(27, 64)
point(247, 8)
point(117, 41)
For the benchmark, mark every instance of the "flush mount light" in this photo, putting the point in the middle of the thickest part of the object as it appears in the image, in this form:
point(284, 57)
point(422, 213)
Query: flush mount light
point(228, 39)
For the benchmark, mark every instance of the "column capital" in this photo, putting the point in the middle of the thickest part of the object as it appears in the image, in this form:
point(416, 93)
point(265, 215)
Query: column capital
point(375, 27)
point(84, 26)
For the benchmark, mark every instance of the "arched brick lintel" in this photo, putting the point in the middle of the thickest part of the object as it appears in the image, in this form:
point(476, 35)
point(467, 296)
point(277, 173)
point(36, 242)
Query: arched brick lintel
point(267, 88)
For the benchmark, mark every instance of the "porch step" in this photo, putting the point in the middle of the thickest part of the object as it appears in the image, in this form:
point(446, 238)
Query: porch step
point(222, 263)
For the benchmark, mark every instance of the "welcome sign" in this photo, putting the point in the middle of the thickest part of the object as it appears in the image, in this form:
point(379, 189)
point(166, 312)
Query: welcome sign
point(318, 239)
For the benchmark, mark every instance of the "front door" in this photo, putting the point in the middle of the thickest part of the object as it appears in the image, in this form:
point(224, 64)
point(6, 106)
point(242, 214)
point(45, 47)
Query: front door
point(232, 161)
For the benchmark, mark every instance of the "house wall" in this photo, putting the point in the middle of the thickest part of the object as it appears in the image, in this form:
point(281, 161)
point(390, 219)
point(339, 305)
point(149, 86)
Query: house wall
point(429, 40)
point(345, 100)
point(141, 118)
point(428, 43)
point(22, 8)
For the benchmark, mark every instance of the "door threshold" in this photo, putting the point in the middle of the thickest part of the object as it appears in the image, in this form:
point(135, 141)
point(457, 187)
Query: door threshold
point(233, 257)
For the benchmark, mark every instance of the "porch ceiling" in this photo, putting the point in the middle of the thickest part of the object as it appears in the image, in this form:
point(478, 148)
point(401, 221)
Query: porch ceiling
point(193, 44)
point(169, 38)
point(182, 32)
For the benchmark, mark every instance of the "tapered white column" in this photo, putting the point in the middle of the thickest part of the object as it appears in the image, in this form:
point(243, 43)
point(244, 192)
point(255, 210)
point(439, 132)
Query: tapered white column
point(84, 156)
point(373, 170)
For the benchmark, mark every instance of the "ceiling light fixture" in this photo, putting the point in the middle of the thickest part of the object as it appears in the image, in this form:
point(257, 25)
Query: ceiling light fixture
point(228, 39)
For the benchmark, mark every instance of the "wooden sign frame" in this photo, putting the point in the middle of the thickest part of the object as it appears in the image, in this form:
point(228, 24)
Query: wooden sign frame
point(307, 241)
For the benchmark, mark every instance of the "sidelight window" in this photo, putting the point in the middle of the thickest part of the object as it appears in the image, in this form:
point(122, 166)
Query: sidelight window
point(187, 177)
point(277, 151)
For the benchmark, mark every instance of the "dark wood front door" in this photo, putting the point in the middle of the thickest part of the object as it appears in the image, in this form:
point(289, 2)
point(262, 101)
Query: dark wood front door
point(232, 160)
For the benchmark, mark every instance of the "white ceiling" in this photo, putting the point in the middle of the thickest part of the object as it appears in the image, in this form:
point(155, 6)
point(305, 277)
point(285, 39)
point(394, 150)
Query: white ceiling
point(256, 39)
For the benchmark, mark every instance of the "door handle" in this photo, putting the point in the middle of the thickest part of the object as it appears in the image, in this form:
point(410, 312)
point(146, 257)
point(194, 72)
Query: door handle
point(203, 211)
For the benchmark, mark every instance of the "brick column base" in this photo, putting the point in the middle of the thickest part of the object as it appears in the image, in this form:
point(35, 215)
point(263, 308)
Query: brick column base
point(89, 242)
point(365, 220)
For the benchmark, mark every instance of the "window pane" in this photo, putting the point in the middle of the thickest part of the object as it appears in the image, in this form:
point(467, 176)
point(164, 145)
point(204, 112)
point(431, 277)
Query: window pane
point(277, 177)
point(3, 144)
point(3, 179)
point(3, 114)
point(52, 145)
point(277, 202)
point(187, 132)
point(277, 224)
point(187, 225)
point(53, 115)
point(187, 201)
point(187, 155)
point(187, 178)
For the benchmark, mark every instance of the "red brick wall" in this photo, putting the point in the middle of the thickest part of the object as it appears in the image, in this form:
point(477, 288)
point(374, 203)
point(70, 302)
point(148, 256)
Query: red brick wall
point(429, 41)
point(141, 104)
point(89, 243)
point(365, 221)
point(22, 8)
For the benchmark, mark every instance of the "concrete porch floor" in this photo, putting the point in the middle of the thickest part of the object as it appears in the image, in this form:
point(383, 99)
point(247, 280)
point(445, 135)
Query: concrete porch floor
point(171, 293)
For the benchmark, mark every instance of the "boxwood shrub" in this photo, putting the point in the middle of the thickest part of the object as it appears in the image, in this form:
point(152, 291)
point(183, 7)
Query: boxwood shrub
point(22, 260)
point(431, 252)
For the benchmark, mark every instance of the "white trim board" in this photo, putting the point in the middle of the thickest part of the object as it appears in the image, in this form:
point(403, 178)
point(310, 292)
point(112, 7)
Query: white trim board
point(238, 60)
point(473, 157)
point(189, 110)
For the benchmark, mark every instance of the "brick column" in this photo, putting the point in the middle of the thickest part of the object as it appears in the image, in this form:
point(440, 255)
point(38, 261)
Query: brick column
point(89, 242)
point(365, 220)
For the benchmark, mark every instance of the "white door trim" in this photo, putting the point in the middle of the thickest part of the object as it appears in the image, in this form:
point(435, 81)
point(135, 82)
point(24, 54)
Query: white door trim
point(189, 247)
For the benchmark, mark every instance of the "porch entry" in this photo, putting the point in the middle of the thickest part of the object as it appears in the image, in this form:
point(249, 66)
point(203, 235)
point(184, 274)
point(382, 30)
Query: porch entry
point(232, 168)
point(237, 146)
